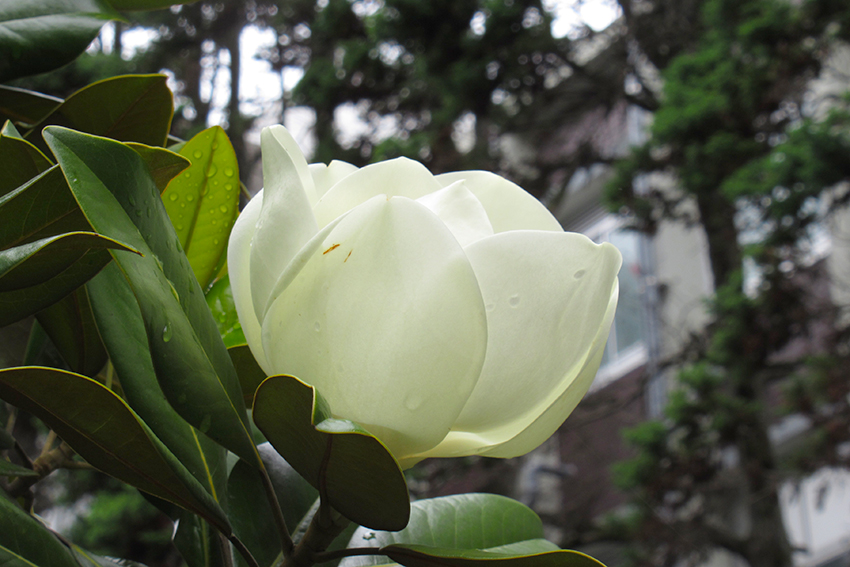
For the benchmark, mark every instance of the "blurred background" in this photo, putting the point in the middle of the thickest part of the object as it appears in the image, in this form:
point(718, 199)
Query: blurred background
point(709, 140)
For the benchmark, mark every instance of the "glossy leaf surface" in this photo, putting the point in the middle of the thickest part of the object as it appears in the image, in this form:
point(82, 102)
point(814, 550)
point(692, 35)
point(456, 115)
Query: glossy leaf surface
point(128, 5)
point(20, 161)
point(129, 108)
point(197, 542)
point(422, 556)
point(24, 107)
point(70, 325)
point(220, 302)
point(163, 164)
point(99, 426)
point(203, 201)
point(123, 330)
point(350, 468)
point(249, 508)
point(24, 541)
point(42, 35)
point(112, 185)
point(36, 275)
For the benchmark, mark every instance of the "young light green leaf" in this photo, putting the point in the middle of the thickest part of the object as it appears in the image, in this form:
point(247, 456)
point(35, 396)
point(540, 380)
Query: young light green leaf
point(115, 192)
point(120, 323)
point(220, 302)
point(351, 469)
point(24, 541)
point(41, 35)
point(102, 429)
point(163, 164)
point(422, 556)
point(203, 201)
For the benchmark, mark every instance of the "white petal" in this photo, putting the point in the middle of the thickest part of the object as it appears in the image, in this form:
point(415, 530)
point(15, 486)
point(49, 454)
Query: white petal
point(238, 267)
point(326, 176)
point(286, 221)
point(550, 301)
point(509, 206)
point(400, 177)
point(461, 211)
point(386, 320)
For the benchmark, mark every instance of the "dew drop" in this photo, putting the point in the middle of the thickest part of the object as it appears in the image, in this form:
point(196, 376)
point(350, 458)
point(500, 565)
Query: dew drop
point(182, 205)
point(228, 187)
point(212, 170)
point(187, 175)
point(317, 326)
point(215, 145)
point(514, 300)
point(166, 333)
point(205, 423)
point(215, 241)
point(179, 227)
point(413, 401)
point(138, 212)
point(190, 197)
point(198, 154)
point(490, 306)
point(228, 171)
point(223, 208)
point(579, 274)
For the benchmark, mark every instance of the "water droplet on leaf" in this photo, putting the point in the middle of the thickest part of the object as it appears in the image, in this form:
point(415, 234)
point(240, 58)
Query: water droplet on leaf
point(198, 154)
point(223, 208)
point(173, 196)
point(166, 333)
point(228, 171)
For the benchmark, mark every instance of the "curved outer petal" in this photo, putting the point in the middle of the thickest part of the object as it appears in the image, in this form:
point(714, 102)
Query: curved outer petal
point(462, 213)
point(509, 206)
point(238, 266)
point(286, 221)
point(400, 177)
point(326, 176)
point(386, 320)
point(548, 320)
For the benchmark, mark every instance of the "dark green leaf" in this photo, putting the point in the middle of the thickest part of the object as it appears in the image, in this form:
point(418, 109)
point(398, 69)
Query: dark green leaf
point(20, 161)
point(88, 559)
point(350, 468)
point(41, 208)
point(197, 542)
point(129, 5)
point(99, 426)
point(42, 35)
point(163, 164)
point(24, 541)
point(25, 107)
point(47, 286)
point(249, 508)
point(130, 108)
point(250, 373)
point(204, 200)
point(422, 556)
point(10, 469)
point(115, 192)
point(123, 330)
point(70, 325)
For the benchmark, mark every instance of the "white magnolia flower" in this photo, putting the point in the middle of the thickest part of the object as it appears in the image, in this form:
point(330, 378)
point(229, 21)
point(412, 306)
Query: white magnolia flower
point(448, 315)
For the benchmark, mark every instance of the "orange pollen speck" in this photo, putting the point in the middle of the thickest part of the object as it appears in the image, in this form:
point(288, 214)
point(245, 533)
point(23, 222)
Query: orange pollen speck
point(331, 248)
point(347, 257)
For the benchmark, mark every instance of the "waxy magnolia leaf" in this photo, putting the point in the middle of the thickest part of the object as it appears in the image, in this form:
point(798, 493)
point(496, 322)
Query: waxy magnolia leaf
point(129, 108)
point(422, 556)
point(203, 201)
point(36, 275)
point(197, 542)
point(115, 192)
point(99, 426)
point(25, 108)
point(130, 5)
point(70, 325)
point(250, 373)
point(24, 541)
point(249, 509)
point(123, 330)
point(41, 208)
point(20, 161)
point(88, 559)
point(11, 469)
point(351, 469)
point(163, 164)
point(41, 35)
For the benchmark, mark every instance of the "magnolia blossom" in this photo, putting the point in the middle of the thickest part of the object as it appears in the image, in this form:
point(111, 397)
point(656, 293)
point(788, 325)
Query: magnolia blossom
point(448, 315)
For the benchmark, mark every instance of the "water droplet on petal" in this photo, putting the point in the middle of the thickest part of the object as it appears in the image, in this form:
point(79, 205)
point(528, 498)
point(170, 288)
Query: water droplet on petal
point(198, 154)
point(317, 326)
point(490, 306)
point(514, 300)
point(579, 274)
point(166, 333)
point(413, 401)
